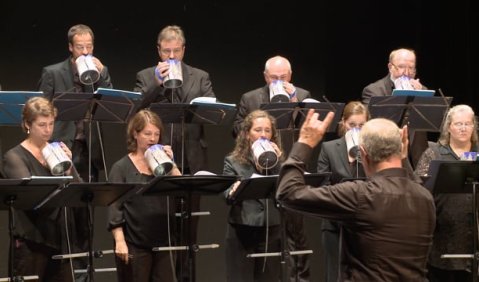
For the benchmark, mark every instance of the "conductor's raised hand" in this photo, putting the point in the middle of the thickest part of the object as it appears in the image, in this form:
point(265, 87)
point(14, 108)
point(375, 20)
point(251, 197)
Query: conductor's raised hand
point(313, 129)
point(405, 142)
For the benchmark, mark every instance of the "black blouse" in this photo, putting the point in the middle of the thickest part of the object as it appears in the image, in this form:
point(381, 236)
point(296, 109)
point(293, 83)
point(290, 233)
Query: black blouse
point(47, 225)
point(453, 233)
point(145, 220)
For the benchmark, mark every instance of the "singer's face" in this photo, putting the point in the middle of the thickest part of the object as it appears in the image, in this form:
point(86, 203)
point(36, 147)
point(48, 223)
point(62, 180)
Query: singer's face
point(461, 127)
point(82, 45)
point(261, 128)
point(404, 63)
point(355, 121)
point(42, 128)
point(279, 71)
point(150, 135)
point(172, 49)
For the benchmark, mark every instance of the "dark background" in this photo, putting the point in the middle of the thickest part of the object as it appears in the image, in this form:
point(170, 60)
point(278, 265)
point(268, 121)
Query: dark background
point(335, 49)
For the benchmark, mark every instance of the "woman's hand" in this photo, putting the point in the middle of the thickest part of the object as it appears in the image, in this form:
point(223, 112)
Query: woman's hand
point(67, 150)
point(168, 151)
point(121, 251)
point(121, 248)
point(277, 150)
point(69, 154)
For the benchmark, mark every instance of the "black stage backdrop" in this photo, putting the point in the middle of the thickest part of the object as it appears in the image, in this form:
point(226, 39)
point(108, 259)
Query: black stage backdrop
point(335, 50)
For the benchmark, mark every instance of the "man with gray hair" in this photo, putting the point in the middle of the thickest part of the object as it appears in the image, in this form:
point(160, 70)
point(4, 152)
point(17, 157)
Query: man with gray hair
point(401, 69)
point(277, 75)
point(387, 221)
point(276, 68)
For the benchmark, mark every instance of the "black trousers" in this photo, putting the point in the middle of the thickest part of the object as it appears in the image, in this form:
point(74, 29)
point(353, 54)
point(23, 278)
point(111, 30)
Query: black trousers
point(443, 275)
point(296, 241)
point(146, 266)
point(330, 244)
point(35, 259)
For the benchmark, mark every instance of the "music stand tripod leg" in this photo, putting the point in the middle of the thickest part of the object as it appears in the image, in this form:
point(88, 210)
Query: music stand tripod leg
point(284, 248)
point(11, 228)
point(191, 249)
point(89, 198)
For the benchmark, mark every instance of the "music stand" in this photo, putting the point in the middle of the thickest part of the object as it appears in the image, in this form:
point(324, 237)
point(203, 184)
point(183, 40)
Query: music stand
point(107, 105)
point(201, 113)
point(265, 188)
point(419, 113)
point(186, 186)
point(458, 177)
point(89, 195)
point(292, 115)
point(11, 105)
point(282, 112)
point(21, 194)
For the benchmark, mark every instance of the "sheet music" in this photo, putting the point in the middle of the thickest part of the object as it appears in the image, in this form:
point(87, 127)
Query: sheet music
point(119, 93)
point(48, 179)
point(210, 101)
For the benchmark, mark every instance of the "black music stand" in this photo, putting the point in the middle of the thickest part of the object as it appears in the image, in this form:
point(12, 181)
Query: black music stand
point(89, 195)
point(419, 113)
point(458, 177)
point(22, 194)
point(265, 188)
point(186, 186)
point(108, 105)
point(292, 115)
point(11, 105)
point(200, 113)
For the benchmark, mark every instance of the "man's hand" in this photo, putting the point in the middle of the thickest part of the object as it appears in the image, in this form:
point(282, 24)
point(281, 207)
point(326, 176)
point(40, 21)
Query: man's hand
point(405, 142)
point(415, 84)
point(97, 63)
point(312, 130)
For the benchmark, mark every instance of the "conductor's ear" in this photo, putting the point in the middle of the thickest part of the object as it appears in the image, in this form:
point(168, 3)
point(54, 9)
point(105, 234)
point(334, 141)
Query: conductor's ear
point(364, 154)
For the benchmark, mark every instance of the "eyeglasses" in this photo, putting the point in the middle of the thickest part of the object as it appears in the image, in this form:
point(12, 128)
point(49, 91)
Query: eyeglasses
point(403, 68)
point(175, 51)
point(458, 125)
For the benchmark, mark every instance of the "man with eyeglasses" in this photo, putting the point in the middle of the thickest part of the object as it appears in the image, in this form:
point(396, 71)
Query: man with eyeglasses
point(64, 77)
point(195, 83)
point(402, 74)
point(402, 64)
point(278, 73)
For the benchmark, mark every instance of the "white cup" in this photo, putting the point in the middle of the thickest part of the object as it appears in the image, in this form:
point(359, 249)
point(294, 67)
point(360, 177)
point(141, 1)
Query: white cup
point(352, 142)
point(56, 158)
point(278, 91)
point(158, 160)
point(174, 79)
point(264, 154)
point(87, 70)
